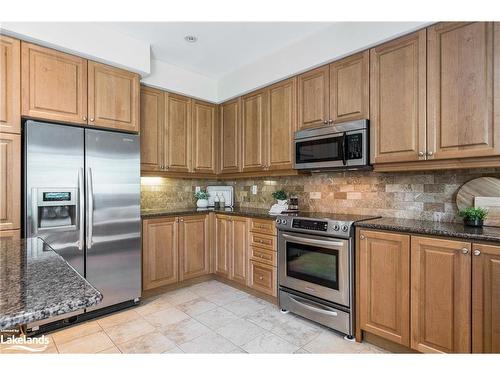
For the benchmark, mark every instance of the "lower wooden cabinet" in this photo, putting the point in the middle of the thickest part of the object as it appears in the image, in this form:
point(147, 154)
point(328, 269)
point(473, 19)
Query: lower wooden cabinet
point(239, 250)
point(194, 251)
point(10, 234)
point(10, 181)
point(222, 245)
point(263, 278)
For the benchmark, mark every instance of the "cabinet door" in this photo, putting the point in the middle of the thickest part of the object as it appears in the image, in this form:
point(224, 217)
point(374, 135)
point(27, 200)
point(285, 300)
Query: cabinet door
point(263, 278)
point(486, 299)
point(54, 85)
point(10, 181)
point(282, 124)
point(313, 97)
point(230, 134)
point(222, 245)
point(397, 99)
point(152, 129)
point(114, 98)
point(159, 252)
point(460, 90)
point(384, 285)
point(239, 247)
point(10, 85)
point(204, 137)
point(178, 133)
point(440, 295)
point(194, 254)
point(349, 88)
point(254, 120)
point(10, 234)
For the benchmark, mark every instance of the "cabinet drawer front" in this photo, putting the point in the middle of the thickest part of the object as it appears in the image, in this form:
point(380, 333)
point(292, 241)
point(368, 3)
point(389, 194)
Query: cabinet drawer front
point(263, 278)
point(263, 255)
point(263, 226)
point(263, 240)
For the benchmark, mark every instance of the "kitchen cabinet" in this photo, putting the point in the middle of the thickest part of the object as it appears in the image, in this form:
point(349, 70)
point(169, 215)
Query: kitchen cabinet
point(54, 85)
point(204, 137)
point(159, 252)
point(222, 245)
point(461, 93)
point(113, 97)
point(10, 181)
point(178, 133)
point(10, 85)
point(398, 99)
point(263, 278)
point(194, 247)
point(384, 285)
point(263, 257)
point(10, 234)
point(486, 298)
point(440, 295)
point(230, 134)
point(239, 249)
point(349, 88)
point(254, 123)
point(282, 125)
point(152, 129)
point(313, 97)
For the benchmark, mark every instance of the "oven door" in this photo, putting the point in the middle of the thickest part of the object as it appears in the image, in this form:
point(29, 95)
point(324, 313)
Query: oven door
point(325, 151)
point(315, 265)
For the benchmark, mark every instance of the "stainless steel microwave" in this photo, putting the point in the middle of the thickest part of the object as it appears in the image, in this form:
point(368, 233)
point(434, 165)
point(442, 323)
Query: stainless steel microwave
point(339, 146)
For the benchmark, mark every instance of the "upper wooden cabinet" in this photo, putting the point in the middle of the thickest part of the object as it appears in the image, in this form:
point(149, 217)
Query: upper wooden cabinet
point(10, 181)
point(462, 59)
point(486, 299)
point(10, 85)
point(349, 88)
point(254, 122)
point(54, 85)
point(397, 99)
point(313, 97)
point(204, 137)
point(113, 97)
point(441, 295)
point(194, 250)
point(152, 129)
point(230, 134)
point(282, 124)
point(178, 133)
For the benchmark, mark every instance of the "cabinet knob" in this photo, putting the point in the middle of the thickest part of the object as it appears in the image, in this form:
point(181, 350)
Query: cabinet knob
point(261, 278)
point(325, 122)
point(430, 153)
point(182, 219)
point(421, 153)
point(477, 252)
point(84, 118)
point(465, 251)
point(330, 121)
point(362, 236)
point(91, 119)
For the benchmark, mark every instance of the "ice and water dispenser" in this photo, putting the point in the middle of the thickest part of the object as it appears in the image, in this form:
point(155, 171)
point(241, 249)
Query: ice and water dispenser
point(54, 209)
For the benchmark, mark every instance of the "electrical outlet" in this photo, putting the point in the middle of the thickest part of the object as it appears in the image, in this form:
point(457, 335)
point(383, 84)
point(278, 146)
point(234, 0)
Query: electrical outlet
point(197, 189)
point(254, 189)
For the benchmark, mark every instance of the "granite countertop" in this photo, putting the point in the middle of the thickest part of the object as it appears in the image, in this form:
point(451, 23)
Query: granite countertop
point(433, 228)
point(248, 212)
point(37, 283)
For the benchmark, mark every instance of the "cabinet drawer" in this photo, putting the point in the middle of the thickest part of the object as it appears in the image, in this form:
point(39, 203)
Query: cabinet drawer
point(263, 226)
point(263, 278)
point(263, 240)
point(263, 255)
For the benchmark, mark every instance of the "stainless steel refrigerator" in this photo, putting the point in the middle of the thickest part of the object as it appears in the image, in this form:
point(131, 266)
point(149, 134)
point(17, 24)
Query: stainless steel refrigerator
point(82, 195)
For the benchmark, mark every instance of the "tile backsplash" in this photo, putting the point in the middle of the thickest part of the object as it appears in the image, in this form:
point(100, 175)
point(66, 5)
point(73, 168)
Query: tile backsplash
point(415, 195)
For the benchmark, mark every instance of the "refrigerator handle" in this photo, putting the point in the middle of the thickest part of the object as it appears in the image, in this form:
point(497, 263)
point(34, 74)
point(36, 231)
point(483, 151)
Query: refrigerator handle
point(90, 208)
point(81, 211)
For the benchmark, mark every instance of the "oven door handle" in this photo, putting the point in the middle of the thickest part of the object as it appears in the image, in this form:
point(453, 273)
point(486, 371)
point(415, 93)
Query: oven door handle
point(313, 308)
point(312, 241)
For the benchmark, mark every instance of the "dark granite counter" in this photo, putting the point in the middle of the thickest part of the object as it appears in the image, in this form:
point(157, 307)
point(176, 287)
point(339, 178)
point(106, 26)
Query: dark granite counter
point(433, 228)
point(37, 283)
point(248, 212)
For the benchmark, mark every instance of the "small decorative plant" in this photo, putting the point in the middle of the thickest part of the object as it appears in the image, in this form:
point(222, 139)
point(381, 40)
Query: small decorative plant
point(473, 216)
point(202, 197)
point(280, 196)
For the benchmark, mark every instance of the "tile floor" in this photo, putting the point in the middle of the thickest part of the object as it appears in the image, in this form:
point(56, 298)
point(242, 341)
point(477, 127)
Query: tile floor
point(210, 317)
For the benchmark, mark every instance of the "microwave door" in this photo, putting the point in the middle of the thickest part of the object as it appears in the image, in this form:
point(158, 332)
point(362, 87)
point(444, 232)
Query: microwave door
point(320, 152)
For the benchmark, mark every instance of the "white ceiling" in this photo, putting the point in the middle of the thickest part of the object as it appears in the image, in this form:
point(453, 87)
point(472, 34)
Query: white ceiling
point(222, 47)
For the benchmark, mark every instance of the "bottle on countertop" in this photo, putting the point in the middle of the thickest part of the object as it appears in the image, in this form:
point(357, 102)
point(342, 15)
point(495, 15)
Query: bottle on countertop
point(222, 202)
point(216, 202)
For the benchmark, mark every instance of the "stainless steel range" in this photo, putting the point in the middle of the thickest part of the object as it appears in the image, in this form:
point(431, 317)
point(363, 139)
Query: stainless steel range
point(316, 267)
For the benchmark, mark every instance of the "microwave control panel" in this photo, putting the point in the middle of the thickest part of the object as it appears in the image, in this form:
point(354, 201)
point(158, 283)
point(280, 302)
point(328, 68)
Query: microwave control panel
point(354, 146)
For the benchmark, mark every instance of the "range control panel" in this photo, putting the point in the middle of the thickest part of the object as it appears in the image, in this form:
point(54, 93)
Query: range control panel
point(317, 225)
point(326, 227)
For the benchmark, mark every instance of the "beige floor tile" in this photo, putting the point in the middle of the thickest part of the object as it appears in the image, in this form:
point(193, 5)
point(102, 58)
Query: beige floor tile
point(301, 351)
point(206, 288)
point(332, 342)
point(269, 343)
point(175, 350)
point(153, 306)
point(118, 318)
point(185, 330)
point(227, 296)
point(196, 306)
point(245, 306)
point(164, 318)
point(93, 343)
point(127, 331)
point(268, 317)
point(216, 318)
point(77, 331)
point(113, 350)
point(179, 296)
point(240, 331)
point(209, 343)
point(150, 343)
point(297, 332)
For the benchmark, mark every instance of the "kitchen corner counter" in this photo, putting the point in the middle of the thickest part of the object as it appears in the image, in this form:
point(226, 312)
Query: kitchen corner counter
point(37, 283)
point(433, 228)
point(247, 212)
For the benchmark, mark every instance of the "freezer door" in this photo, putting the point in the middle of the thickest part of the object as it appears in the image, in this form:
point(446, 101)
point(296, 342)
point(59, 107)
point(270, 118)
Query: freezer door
point(113, 233)
point(53, 190)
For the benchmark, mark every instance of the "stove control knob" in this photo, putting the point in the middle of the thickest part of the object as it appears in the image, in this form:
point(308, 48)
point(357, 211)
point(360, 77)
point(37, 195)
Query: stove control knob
point(336, 227)
point(278, 221)
point(283, 221)
point(344, 228)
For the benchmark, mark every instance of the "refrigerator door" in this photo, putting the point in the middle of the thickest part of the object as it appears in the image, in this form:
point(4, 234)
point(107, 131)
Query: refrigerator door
point(113, 233)
point(54, 200)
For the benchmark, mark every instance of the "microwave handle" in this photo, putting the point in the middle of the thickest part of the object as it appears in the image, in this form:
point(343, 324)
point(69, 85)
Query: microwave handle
point(344, 148)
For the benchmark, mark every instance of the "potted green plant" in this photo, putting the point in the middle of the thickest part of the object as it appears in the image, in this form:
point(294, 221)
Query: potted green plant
point(202, 199)
point(280, 196)
point(473, 216)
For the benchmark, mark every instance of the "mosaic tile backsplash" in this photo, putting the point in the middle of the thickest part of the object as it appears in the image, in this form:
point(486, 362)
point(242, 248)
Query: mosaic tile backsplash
point(420, 195)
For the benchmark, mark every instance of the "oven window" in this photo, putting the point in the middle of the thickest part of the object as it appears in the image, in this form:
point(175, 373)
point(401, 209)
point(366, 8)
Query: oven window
point(312, 263)
point(326, 149)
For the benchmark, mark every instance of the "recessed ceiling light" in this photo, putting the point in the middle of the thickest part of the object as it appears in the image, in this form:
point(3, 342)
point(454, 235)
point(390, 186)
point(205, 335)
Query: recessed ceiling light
point(190, 38)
